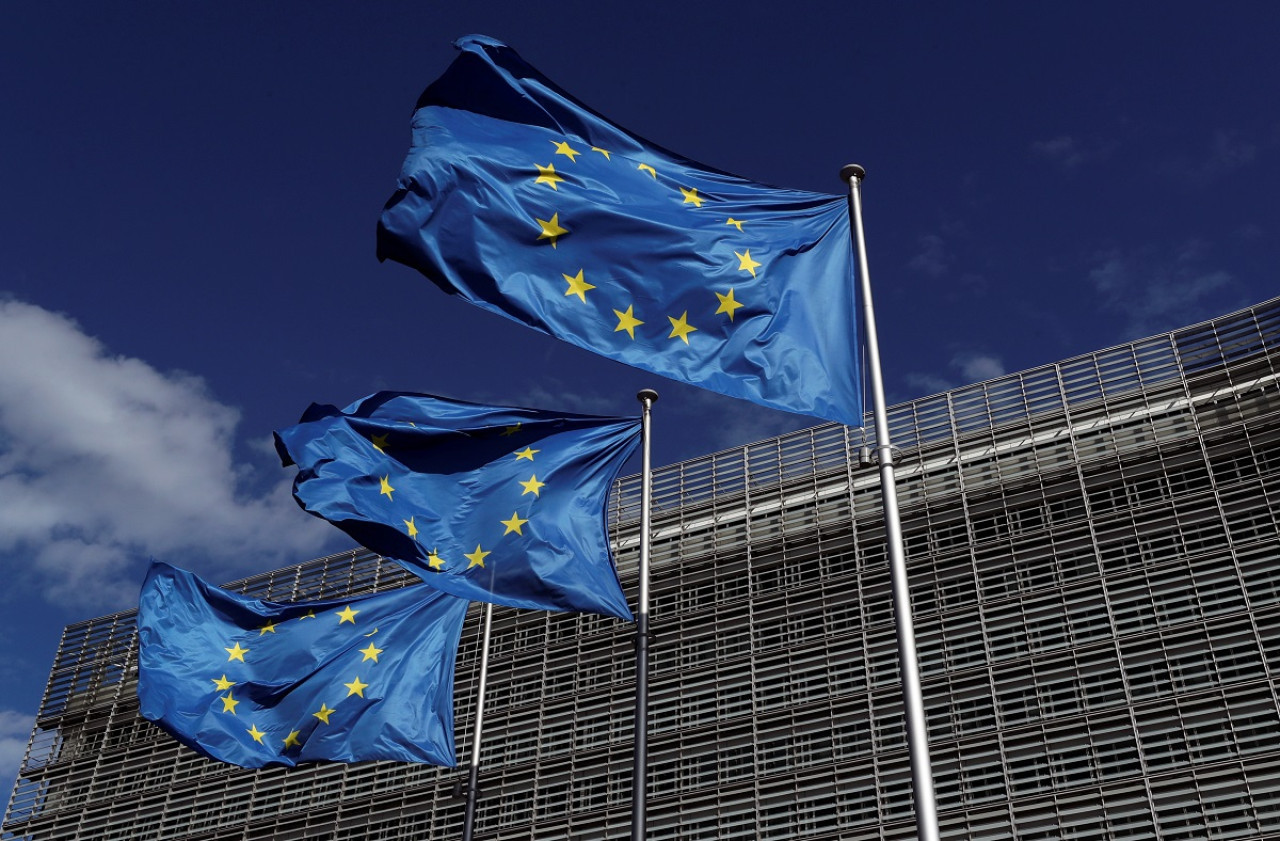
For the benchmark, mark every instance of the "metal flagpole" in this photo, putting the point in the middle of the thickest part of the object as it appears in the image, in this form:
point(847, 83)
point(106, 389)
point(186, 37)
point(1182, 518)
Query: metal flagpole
point(473, 775)
point(917, 730)
point(640, 775)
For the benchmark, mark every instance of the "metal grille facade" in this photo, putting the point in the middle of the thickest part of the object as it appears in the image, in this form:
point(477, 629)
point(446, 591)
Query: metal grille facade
point(1095, 566)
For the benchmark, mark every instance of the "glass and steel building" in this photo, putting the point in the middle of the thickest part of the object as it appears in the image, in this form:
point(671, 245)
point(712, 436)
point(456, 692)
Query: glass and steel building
point(1095, 565)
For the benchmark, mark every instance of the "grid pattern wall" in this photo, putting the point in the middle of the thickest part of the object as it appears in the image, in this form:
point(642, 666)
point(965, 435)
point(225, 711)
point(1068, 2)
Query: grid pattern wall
point(1095, 562)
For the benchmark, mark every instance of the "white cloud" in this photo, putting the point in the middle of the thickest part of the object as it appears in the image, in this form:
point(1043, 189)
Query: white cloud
point(977, 367)
point(932, 259)
point(1155, 292)
point(105, 462)
point(733, 423)
point(1069, 153)
point(1063, 150)
point(1228, 151)
point(15, 732)
point(553, 391)
point(1250, 232)
point(925, 384)
point(971, 366)
point(721, 422)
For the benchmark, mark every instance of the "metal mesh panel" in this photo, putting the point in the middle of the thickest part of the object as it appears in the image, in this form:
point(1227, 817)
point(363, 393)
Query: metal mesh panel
point(1096, 582)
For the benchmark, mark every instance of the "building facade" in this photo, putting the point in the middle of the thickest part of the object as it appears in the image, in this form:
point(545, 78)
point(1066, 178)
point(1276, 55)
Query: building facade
point(1095, 565)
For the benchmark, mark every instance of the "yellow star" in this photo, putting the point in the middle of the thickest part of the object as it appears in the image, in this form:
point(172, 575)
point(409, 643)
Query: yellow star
point(255, 733)
point(380, 442)
point(681, 327)
point(310, 614)
point(737, 223)
point(648, 169)
point(347, 615)
point(551, 228)
point(547, 175)
point(324, 713)
point(355, 687)
point(371, 653)
point(604, 152)
point(386, 487)
point(477, 557)
point(691, 196)
point(222, 683)
point(511, 430)
point(410, 527)
point(269, 628)
point(228, 703)
point(578, 286)
point(533, 486)
point(727, 304)
point(563, 148)
point(291, 741)
point(527, 452)
point(434, 560)
point(236, 653)
point(627, 321)
point(745, 263)
point(514, 524)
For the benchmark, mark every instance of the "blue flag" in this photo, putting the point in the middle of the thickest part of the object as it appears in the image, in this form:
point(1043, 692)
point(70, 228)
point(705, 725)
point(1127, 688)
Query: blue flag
point(257, 683)
point(491, 504)
point(525, 202)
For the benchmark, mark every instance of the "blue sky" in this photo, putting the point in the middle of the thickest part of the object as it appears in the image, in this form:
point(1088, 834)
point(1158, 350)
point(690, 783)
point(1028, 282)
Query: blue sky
point(188, 196)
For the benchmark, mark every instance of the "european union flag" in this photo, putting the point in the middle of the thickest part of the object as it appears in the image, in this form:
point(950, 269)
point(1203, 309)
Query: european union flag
point(492, 504)
point(522, 200)
point(257, 683)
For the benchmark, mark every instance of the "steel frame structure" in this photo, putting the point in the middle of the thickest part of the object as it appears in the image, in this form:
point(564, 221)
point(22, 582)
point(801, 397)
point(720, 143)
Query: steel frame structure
point(1094, 549)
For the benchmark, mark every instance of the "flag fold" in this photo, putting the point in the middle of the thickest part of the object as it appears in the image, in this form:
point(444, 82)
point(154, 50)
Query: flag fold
point(503, 505)
point(256, 683)
point(525, 202)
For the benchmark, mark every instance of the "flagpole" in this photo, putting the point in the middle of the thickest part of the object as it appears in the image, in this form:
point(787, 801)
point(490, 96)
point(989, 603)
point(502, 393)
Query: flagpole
point(473, 773)
point(640, 776)
point(917, 729)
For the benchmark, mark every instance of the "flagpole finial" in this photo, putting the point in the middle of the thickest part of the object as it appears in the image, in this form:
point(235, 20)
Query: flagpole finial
point(647, 395)
point(852, 171)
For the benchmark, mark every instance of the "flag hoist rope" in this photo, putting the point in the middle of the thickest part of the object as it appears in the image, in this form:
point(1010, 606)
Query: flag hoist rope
point(913, 699)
